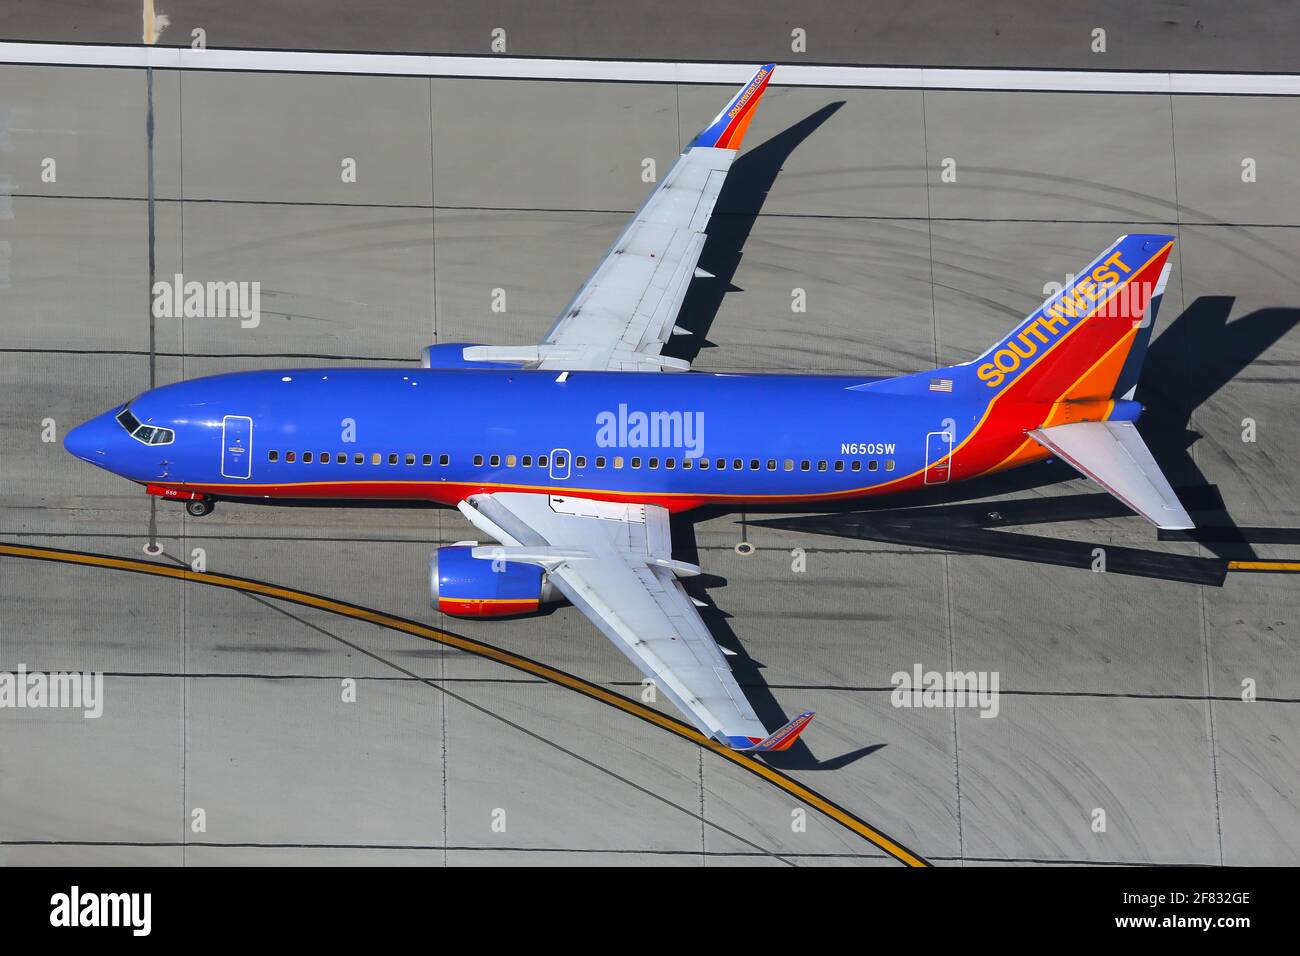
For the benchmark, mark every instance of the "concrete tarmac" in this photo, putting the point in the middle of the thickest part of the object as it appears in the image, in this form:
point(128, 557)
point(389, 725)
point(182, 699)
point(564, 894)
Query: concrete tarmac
point(1120, 694)
point(1206, 35)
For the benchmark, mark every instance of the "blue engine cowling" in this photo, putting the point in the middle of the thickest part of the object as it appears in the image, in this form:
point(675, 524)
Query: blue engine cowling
point(451, 355)
point(465, 586)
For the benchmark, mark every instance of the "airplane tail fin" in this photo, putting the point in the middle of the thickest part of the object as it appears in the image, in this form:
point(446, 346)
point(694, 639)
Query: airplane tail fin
point(1085, 345)
point(1073, 367)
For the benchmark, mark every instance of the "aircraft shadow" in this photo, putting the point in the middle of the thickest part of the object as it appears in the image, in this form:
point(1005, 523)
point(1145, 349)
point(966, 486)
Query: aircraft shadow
point(739, 203)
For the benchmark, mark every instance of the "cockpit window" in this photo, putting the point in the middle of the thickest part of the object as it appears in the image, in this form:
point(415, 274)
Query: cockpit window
point(145, 434)
point(127, 420)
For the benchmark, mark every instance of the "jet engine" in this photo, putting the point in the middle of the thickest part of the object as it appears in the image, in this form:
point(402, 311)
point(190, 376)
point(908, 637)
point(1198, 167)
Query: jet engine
point(465, 586)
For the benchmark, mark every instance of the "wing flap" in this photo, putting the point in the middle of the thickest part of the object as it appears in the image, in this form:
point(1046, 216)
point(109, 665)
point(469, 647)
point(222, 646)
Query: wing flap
point(1114, 455)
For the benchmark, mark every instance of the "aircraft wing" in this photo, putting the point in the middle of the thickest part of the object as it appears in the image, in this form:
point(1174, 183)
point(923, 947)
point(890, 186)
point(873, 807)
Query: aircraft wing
point(622, 317)
point(614, 562)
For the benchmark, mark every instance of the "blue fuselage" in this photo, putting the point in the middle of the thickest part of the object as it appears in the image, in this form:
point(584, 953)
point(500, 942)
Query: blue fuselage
point(677, 439)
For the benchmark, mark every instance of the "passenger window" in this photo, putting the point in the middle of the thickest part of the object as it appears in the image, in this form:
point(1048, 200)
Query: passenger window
point(873, 465)
point(478, 461)
point(272, 456)
point(789, 464)
point(559, 461)
point(542, 460)
point(721, 464)
point(737, 464)
point(771, 464)
point(528, 461)
point(324, 458)
point(704, 464)
point(600, 462)
point(358, 459)
point(636, 462)
point(427, 460)
point(410, 458)
point(753, 464)
point(511, 461)
point(341, 458)
point(375, 458)
point(580, 461)
point(821, 465)
point(392, 457)
point(855, 465)
point(306, 457)
point(889, 464)
point(618, 461)
point(839, 466)
point(495, 461)
point(805, 465)
point(688, 464)
point(444, 460)
point(290, 456)
point(653, 463)
point(670, 462)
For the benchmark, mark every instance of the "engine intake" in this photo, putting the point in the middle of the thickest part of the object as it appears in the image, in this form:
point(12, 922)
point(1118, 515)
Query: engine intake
point(465, 586)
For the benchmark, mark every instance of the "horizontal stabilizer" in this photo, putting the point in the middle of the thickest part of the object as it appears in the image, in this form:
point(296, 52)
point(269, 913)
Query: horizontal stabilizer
point(1114, 456)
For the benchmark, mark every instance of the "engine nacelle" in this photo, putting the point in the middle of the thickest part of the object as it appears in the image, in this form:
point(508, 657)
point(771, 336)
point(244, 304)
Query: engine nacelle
point(465, 586)
point(451, 355)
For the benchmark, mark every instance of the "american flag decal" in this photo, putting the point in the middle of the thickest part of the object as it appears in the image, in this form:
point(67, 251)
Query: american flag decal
point(941, 385)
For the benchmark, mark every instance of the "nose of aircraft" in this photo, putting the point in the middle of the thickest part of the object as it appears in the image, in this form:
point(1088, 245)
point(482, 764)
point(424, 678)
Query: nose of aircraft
point(92, 440)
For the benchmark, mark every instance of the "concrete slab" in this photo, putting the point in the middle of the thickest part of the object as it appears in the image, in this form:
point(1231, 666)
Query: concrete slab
point(336, 280)
point(588, 155)
point(257, 749)
point(78, 274)
point(117, 778)
point(1050, 156)
point(1032, 778)
point(91, 123)
point(291, 146)
point(1214, 137)
point(1074, 631)
point(1257, 771)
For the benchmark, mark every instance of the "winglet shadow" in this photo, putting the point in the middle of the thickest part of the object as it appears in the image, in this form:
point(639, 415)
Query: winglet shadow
point(739, 203)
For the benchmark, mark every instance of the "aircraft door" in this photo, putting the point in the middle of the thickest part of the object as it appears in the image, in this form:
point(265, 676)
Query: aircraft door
point(938, 455)
point(236, 446)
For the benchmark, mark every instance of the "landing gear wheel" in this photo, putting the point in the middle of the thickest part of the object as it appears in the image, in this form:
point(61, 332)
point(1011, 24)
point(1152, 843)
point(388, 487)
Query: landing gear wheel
point(199, 509)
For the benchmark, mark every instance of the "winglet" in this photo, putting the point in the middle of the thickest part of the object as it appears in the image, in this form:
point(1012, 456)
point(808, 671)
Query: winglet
point(781, 740)
point(727, 130)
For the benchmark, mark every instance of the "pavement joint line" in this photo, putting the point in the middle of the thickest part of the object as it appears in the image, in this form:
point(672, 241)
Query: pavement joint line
point(554, 675)
point(648, 71)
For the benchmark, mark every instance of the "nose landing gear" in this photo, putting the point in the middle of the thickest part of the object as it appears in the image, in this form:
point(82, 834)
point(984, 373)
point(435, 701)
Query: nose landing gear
point(199, 508)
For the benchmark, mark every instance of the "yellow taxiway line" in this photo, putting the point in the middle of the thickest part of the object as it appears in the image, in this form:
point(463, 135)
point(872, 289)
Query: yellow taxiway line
point(1264, 565)
point(479, 649)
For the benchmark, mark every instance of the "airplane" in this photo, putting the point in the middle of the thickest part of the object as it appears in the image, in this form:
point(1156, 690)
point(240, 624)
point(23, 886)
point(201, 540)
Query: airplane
point(573, 453)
